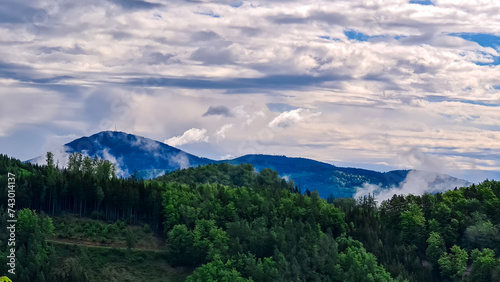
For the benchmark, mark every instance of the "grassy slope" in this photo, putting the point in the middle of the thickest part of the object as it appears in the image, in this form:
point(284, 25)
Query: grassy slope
point(113, 264)
point(107, 258)
point(86, 231)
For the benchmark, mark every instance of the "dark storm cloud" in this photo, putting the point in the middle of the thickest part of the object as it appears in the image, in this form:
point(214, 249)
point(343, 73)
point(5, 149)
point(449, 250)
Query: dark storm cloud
point(119, 35)
point(249, 31)
point(16, 13)
point(25, 73)
point(204, 36)
point(75, 50)
point(283, 82)
point(218, 111)
point(213, 56)
point(14, 71)
point(158, 58)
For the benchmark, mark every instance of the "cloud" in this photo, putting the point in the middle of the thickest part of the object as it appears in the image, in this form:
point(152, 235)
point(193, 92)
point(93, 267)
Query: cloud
point(221, 133)
point(213, 56)
point(415, 183)
point(146, 144)
point(180, 160)
point(226, 157)
point(417, 159)
point(218, 111)
point(290, 118)
point(251, 118)
point(193, 135)
point(42, 106)
point(120, 169)
point(158, 58)
point(61, 157)
point(205, 36)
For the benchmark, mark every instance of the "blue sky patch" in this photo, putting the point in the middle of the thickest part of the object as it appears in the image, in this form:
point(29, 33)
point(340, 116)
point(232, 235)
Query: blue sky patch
point(496, 62)
point(280, 107)
point(359, 36)
point(478, 103)
point(236, 4)
point(493, 60)
point(135, 4)
point(422, 2)
point(483, 39)
point(356, 35)
point(329, 38)
point(210, 14)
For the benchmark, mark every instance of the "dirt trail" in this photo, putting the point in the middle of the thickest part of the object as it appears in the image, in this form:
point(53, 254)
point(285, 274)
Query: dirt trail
point(78, 242)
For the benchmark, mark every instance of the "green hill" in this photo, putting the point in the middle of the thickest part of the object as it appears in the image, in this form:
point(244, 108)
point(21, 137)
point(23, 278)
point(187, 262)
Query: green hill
point(230, 223)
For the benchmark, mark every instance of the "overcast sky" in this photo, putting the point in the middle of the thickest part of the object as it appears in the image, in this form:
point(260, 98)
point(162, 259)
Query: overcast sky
point(378, 84)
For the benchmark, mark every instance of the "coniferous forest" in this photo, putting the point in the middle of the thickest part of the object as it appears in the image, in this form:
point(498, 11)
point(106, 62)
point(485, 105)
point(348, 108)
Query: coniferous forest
point(222, 222)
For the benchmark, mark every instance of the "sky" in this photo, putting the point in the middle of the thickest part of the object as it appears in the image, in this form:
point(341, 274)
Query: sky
point(374, 84)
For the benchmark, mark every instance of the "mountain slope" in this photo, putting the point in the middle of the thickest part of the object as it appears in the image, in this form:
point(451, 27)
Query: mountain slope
point(327, 179)
point(132, 153)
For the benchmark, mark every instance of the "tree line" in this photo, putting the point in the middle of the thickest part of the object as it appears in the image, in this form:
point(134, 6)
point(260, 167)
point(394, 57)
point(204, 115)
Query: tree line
point(451, 236)
point(86, 187)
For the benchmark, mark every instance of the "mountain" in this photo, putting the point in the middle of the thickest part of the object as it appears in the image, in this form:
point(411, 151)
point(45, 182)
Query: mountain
point(149, 159)
point(326, 178)
point(129, 153)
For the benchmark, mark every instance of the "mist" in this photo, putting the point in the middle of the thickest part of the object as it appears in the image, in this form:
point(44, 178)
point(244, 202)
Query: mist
point(416, 183)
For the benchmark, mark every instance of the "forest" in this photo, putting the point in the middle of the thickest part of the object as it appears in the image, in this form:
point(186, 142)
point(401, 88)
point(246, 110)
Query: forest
point(223, 222)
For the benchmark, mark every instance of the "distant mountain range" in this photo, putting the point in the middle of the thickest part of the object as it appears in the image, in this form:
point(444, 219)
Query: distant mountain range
point(149, 159)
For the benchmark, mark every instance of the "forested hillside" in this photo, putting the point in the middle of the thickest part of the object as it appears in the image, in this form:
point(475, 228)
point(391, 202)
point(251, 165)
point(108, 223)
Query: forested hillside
point(452, 235)
point(327, 179)
point(229, 223)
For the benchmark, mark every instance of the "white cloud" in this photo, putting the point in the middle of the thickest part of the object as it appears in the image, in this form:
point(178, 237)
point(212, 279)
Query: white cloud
point(60, 156)
point(121, 171)
point(146, 144)
point(226, 157)
point(254, 116)
point(290, 118)
point(221, 133)
point(180, 160)
point(416, 183)
point(193, 135)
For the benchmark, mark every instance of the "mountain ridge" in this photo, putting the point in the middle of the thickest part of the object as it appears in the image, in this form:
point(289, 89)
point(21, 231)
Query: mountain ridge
point(147, 158)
